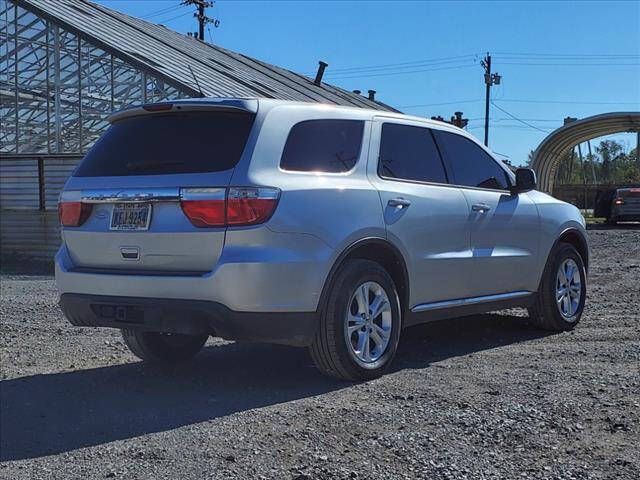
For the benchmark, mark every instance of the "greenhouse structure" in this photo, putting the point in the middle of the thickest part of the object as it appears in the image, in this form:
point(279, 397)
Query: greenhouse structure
point(65, 65)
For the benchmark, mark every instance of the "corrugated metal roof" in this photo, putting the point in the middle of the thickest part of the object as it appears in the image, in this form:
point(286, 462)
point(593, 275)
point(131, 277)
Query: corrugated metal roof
point(168, 55)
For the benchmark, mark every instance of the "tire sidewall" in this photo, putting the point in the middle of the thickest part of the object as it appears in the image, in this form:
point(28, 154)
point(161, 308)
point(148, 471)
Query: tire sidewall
point(353, 276)
point(565, 252)
point(152, 347)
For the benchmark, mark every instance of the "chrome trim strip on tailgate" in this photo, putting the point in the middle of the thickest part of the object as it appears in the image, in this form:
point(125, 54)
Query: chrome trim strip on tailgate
point(469, 301)
point(131, 195)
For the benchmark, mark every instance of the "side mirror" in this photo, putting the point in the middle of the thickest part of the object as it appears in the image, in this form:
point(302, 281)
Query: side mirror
point(525, 181)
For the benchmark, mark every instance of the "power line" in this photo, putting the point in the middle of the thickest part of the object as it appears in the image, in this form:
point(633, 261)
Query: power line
point(408, 64)
point(403, 73)
point(527, 119)
point(173, 18)
point(508, 55)
point(519, 120)
point(571, 64)
point(580, 55)
point(513, 100)
point(395, 69)
point(520, 128)
point(398, 68)
point(439, 104)
point(570, 59)
point(542, 57)
point(160, 12)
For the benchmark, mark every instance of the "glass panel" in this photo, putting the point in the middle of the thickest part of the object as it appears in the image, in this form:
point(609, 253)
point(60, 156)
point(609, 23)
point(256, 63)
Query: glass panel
point(409, 153)
point(159, 91)
point(323, 146)
point(69, 92)
point(471, 165)
point(127, 85)
point(169, 143)
point(32, 82)
point(96, 92)
point(7, 78)
point(75, 76)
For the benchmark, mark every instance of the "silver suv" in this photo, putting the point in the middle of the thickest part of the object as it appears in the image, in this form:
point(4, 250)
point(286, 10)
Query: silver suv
point(305, 224)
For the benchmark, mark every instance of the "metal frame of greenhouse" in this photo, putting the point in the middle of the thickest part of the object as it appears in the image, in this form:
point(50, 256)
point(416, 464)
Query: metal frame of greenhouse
point(65, 65)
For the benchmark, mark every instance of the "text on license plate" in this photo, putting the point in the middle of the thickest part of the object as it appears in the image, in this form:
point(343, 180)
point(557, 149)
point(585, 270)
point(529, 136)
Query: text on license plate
point(130, 216)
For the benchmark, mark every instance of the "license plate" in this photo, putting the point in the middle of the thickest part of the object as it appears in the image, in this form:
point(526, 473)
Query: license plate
point(130, 216)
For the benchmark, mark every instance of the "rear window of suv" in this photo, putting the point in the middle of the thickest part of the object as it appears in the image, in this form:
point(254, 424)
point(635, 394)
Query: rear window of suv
point(157, 144)
point(331, 146)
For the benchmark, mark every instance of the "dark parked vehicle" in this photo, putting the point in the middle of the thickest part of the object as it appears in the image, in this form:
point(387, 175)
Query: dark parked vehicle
point(618, 204)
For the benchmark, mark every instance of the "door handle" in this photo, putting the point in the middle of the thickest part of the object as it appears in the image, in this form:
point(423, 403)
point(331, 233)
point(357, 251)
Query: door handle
point(398, 202)
point(480, 207)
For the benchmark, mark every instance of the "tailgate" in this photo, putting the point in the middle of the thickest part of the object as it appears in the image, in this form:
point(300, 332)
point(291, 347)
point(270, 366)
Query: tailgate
point(130, 191)
point(142, 229)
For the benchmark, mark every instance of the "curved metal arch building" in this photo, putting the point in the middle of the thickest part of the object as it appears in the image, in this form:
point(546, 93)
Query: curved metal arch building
point(546, 157)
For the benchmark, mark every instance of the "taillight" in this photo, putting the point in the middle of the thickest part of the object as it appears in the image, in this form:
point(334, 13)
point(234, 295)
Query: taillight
point(619, 201)
point(250, 206)
point(73, 214)
point(235, 206)
point(204, 207)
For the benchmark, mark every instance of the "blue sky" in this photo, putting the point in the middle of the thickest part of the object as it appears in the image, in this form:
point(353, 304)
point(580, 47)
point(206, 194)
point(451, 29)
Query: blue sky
point(556, 59)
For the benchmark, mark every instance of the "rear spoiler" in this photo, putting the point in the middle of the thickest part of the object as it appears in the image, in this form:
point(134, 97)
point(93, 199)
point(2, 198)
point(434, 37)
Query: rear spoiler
point(187, 105)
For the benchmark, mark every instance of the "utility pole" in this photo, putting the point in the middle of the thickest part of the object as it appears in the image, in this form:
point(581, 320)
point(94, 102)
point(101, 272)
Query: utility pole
point(638, 149)
point(489, 80)
point(201, 16)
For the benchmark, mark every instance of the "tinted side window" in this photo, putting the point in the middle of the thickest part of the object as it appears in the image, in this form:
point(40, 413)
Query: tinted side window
point(409, 153)
point(323, 146)
point(471, 165)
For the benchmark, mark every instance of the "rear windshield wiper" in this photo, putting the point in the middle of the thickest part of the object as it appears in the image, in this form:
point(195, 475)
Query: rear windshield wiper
point(149, 165)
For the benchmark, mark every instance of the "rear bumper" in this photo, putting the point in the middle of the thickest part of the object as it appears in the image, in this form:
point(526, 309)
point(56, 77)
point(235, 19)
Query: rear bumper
point(258, 271)
point(626, 217)
point(188, 317)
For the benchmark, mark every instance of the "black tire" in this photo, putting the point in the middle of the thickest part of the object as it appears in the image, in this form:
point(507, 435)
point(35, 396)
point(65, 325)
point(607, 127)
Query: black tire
point(330, 350)
point(162, 347)
point(545, 312)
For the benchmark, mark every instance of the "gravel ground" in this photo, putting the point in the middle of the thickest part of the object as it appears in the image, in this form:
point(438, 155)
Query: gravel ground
point(480, 397)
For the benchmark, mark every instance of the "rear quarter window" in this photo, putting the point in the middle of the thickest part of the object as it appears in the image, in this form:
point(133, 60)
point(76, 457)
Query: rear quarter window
point(331, 146)
point(186, 142)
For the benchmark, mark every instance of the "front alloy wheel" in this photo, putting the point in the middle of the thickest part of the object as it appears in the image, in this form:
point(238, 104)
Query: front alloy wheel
point(568, 288)
point(562, 292)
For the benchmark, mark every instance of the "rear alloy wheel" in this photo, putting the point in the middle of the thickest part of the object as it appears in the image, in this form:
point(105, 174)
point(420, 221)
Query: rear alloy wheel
point(562, 292)
point(368, 325)
point(360, 324)
point(162, 347)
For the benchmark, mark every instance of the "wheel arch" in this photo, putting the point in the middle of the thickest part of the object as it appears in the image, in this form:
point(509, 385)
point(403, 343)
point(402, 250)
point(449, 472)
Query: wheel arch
point(575, 237)
point(381, 251)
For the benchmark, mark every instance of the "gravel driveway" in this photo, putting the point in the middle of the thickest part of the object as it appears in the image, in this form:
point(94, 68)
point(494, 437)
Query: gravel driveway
point(479, 397)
